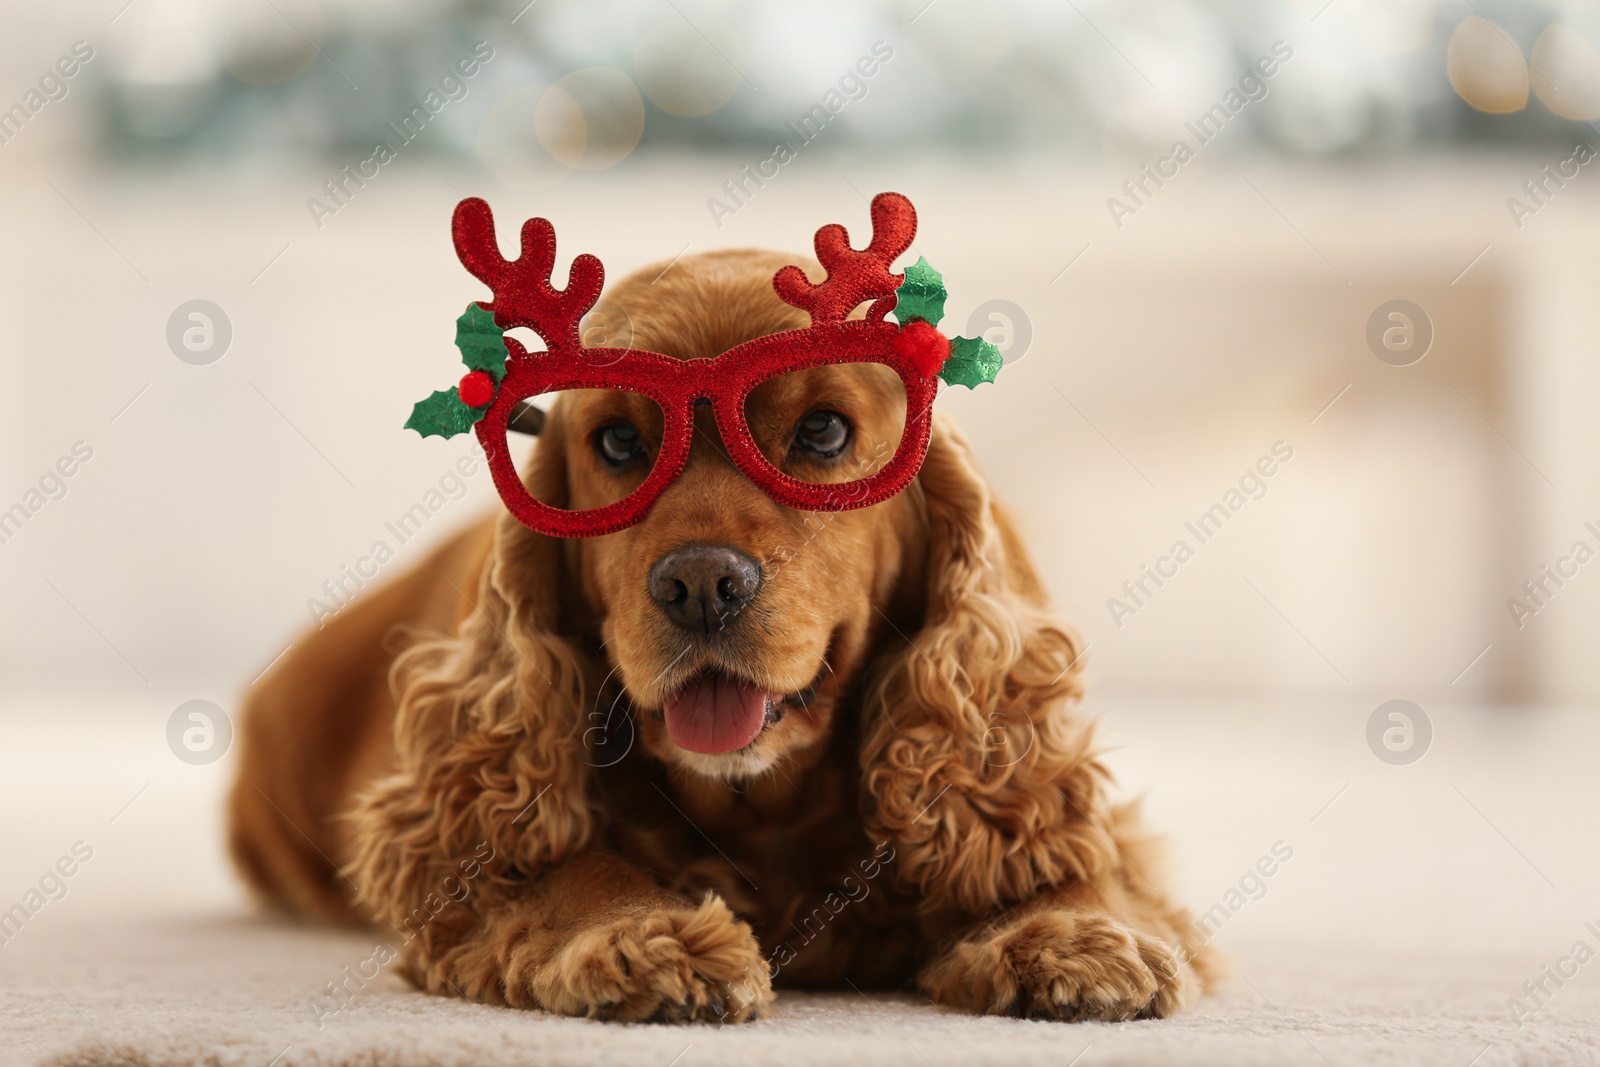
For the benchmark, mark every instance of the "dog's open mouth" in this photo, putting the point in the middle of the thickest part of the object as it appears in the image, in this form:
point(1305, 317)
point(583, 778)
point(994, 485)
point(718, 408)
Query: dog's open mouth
point(716, 712)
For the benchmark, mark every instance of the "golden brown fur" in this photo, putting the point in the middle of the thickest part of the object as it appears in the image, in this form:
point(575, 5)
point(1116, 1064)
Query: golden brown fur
point(515, 816)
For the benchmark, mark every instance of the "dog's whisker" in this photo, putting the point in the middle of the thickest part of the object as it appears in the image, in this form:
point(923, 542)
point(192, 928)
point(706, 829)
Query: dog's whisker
point(603, 682)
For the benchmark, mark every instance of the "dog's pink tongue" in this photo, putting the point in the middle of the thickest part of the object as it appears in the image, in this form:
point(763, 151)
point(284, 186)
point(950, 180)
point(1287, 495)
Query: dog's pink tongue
point(715, 713)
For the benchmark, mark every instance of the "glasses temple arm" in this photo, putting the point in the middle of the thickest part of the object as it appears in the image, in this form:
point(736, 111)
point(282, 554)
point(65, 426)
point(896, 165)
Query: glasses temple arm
point(526, 419)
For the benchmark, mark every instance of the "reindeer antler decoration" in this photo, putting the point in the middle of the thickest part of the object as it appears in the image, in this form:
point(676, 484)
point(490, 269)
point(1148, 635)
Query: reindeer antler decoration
point(493, 397)
point(853, 277)
point(523, 295)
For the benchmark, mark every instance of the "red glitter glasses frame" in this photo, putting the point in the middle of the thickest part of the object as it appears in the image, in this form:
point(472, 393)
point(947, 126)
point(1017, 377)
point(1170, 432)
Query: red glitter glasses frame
point(523, 296)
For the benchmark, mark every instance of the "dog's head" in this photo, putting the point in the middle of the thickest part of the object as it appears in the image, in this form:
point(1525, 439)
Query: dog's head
point(732, 633)
point(734, 624)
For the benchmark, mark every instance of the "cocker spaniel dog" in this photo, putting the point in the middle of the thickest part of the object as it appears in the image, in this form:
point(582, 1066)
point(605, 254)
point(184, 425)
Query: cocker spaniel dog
point(658, 773)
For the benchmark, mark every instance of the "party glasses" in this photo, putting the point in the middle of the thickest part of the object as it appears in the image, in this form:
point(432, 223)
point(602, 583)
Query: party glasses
point(830, 417)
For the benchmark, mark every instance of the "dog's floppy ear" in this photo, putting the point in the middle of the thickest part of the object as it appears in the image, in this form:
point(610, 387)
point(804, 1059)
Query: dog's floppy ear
point(974, 771)
point(489, 730)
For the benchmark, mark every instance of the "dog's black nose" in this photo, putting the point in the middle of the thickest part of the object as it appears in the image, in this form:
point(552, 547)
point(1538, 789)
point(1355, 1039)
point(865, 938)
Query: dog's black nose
point(702, 587)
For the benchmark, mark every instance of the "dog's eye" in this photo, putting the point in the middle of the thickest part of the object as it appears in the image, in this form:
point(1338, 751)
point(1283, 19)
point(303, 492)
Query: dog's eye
point(822, 433)
point(618, 443)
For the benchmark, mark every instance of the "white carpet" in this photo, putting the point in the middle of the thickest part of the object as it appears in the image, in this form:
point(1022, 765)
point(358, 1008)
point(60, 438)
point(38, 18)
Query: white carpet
point(1417, 902)
point(232, 991)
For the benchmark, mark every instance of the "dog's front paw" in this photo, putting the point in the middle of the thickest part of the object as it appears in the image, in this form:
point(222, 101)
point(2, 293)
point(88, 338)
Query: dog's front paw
point(669, 965)
point(1069, 965)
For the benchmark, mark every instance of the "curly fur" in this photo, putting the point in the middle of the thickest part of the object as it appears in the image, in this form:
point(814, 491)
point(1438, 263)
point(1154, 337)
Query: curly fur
point(988, 790)
point(929, 811)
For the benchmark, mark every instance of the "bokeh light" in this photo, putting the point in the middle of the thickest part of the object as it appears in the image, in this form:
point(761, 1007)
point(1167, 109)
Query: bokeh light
point(591, 119)
point(1566, 73)
point(509, 145)
point(1485, 67)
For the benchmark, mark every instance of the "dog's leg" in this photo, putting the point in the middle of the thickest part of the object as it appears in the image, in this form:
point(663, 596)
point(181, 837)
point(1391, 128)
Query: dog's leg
point(594, 936)
point(1075, 953)
point(1062, 963)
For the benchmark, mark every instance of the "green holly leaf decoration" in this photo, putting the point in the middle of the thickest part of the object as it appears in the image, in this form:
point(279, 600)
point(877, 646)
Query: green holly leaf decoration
point(921, 295)
point(483, 348)
point(443, 415)
point(482, 343)
point(972, 361)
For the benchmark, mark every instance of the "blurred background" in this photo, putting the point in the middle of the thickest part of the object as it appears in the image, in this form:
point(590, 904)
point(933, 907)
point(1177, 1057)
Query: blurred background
point(1186, 223)
point(1355, 243)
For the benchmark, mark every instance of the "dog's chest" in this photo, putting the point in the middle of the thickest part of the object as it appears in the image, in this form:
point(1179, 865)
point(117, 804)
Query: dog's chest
point(819, 895)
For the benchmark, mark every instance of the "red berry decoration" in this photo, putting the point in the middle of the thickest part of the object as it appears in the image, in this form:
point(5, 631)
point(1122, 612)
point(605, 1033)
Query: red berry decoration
point(476, 388)
point(923, 345)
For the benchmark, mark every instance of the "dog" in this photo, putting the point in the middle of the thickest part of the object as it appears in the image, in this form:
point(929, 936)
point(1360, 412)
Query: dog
point(656, 774)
